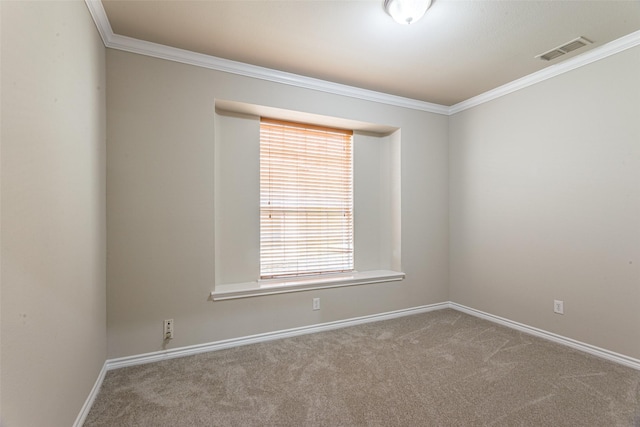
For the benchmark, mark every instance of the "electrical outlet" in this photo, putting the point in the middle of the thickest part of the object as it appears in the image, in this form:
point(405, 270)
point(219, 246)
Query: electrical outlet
point(558, 306)
point(316, 303)
point(168, 329)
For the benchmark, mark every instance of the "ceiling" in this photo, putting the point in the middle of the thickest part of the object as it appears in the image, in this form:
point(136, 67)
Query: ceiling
point(460, 49)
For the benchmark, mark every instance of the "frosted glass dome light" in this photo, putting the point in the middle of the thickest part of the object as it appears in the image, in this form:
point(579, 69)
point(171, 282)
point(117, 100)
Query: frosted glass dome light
point(406, 12)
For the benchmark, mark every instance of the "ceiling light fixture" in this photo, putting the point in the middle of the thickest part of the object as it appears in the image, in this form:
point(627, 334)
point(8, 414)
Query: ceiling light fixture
point(406, 12)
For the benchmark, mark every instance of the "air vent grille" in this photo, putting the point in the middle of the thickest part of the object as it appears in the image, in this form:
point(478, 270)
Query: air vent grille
point(551, 55)
point(564, 49)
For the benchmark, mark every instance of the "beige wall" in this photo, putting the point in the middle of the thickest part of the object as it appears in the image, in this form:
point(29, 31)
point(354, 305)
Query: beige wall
point(53, 211)
point(545, 204)
point(531, 197)
point(160, 207)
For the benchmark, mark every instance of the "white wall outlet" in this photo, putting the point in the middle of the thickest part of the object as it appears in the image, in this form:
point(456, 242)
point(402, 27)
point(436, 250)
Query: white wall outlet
point(316, 303)
point(558, 306)
point(168, 329)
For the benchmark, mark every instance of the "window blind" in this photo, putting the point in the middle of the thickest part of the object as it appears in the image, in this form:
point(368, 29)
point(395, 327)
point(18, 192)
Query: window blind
point(306, 199)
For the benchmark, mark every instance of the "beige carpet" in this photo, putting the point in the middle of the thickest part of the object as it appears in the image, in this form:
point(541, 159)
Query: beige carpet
point(443, 368)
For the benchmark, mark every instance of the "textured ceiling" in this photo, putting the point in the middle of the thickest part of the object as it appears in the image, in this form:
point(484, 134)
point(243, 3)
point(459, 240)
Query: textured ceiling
point(458, 50)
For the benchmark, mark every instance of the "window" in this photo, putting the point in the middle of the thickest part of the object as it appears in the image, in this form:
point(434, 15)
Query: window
point(306, 199)
point(260, 246)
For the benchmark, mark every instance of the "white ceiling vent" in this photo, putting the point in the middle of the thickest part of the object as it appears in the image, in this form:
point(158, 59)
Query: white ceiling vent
point(565, 48)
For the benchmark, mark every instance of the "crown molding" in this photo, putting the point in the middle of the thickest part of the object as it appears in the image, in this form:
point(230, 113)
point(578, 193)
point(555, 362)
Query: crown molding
point(155, 50)
point(596, 54)
point(219, 64)
point(100, 18)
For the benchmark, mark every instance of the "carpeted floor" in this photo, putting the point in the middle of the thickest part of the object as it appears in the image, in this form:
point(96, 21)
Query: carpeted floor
point(442, 368)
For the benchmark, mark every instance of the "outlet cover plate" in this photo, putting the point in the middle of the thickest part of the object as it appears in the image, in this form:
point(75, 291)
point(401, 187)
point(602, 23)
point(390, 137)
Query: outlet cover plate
point(168, 329)
point(558, 306)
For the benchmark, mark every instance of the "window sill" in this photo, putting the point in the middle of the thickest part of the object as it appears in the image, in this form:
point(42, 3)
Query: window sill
point(280, 286)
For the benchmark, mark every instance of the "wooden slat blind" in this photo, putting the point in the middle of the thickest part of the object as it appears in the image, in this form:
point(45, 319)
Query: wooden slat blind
point(306, 199)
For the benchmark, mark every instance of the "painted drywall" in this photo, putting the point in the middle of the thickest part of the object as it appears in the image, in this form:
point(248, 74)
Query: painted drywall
point(545, 204)
point(237, 190)
point(160, 207)
point(53, 221)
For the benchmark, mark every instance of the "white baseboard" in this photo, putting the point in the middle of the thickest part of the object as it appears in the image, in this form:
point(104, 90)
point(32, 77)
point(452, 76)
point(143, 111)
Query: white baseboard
point(287, 333)
point(268, 336)
point(236, 342)
point(82, 416)
point(587, 348)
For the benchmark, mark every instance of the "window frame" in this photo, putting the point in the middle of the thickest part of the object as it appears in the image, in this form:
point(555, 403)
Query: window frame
point(306, 229)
